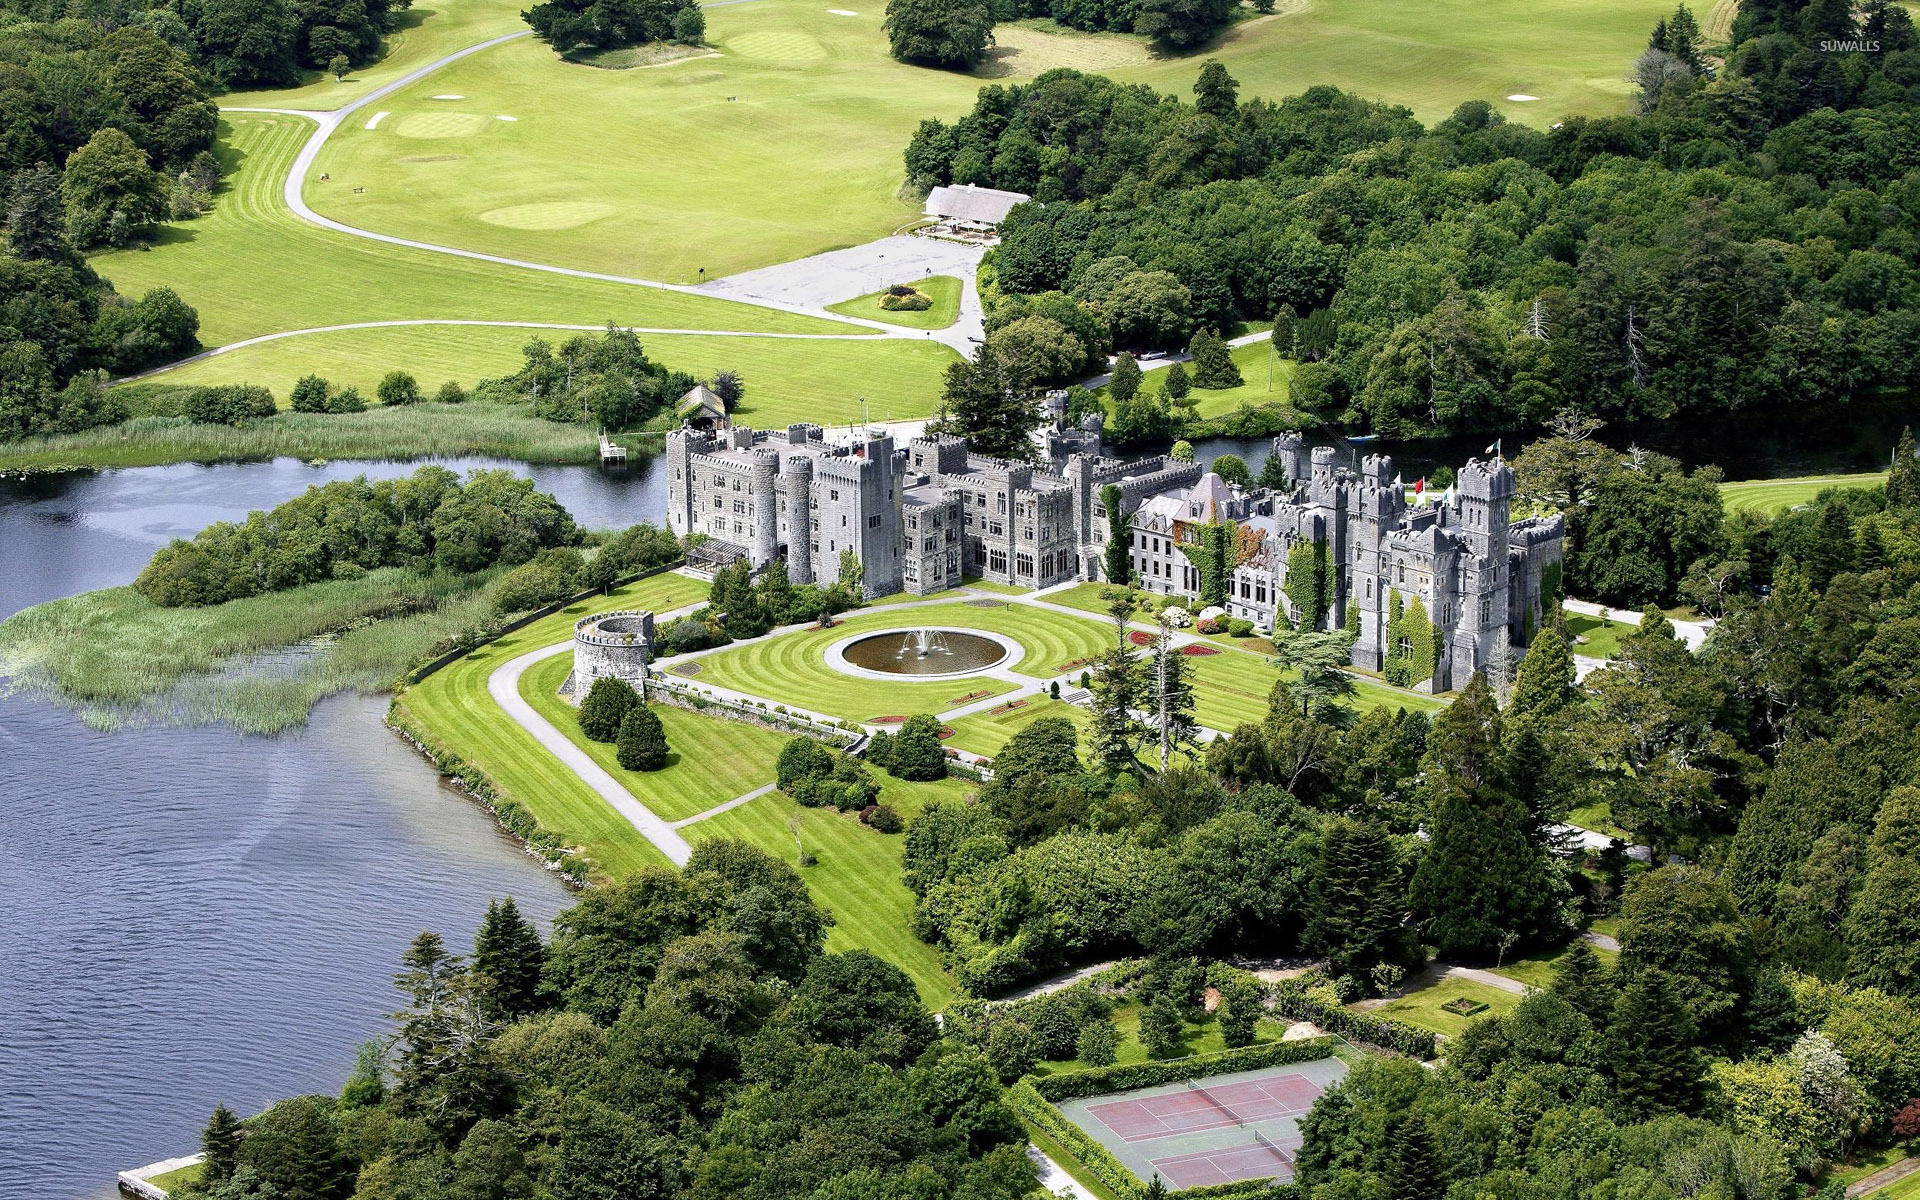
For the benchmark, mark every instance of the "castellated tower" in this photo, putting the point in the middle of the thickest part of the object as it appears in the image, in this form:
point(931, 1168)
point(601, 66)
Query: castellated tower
point(1323, 485)
point(1486, 494)
point(1289, 448)
point(796, 481)
point(766, 522)
point(1379, 507)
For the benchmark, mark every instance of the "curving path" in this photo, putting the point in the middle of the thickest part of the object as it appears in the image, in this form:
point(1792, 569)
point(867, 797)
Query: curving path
point(504, 686)
point(293, 191)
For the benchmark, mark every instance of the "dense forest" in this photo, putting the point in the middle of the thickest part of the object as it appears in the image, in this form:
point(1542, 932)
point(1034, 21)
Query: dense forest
point(1748, 241)
point(683, 1035)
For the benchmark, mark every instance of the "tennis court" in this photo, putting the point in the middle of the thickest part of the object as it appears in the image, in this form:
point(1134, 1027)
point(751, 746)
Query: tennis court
point(1221, 1129)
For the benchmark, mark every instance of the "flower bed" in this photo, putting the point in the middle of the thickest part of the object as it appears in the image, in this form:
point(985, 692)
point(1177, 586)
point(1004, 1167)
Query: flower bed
point(1140, 637)
point(888, 720)
point(969, 698)
point(1008, 707)
point(1199, 651)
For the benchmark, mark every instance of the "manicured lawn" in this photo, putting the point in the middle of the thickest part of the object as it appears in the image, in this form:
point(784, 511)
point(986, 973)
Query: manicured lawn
point(856, 875)
point(1538, 970)
point(1594, 638)
point(787, 380)
point(1901, 1189)
point(250, 267)
point(1253, 393)
point(1598, 817)
point(454, 711)
point(943, 290)
point(1867, 1163)
point(1200, 1038)
point(709, 761)
point(426, 33)
point(183, 1177)
point(792, 667)
point(1233, 686)
point(985, 733)
point(987, 585)
point(1774, 496)
point(1422, 1008)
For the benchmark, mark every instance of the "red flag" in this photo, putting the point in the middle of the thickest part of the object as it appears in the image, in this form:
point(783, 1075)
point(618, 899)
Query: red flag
point(1420, 486)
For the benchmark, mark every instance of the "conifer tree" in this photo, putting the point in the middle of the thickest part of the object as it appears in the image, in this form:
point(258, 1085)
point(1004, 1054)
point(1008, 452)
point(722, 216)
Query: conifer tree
point(1650, 1049)
point(1357, 899)
point(366, 1084)
point(606, 706)
point(1883, 926)
point(1903, 479)
point(1273, 474)
point(1125, 383)
point(1584, 982)
point(1545, 683)
point(1156, 1190)
point(37, 216)
point(1170, 692)
point(1213, 365)
point(507, 951)
point(1239, 1012)
point(1113, 731)
point(642, 744)
point(220, 1140)
point(1416, 1166)
point(1480, 881)
point(1178, 383)
point(428, 981)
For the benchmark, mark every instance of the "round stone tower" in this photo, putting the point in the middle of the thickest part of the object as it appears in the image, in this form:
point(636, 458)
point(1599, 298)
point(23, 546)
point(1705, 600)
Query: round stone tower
point(766, 516)
point(614, 645)
point(797, 474)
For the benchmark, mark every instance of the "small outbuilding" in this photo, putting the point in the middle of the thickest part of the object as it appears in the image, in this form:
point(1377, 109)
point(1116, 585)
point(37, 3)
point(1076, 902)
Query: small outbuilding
point(702, 408)
point(965, 204)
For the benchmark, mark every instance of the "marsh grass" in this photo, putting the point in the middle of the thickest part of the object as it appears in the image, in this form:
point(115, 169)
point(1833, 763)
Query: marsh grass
point(259, 664)
point(416, 431)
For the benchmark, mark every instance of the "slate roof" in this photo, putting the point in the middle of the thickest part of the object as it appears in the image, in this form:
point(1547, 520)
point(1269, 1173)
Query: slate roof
point(965, 202)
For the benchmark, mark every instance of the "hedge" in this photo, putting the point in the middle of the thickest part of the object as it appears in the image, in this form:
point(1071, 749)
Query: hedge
point(1126, 1077)
point(1293, 1001)
point(1034, 1108)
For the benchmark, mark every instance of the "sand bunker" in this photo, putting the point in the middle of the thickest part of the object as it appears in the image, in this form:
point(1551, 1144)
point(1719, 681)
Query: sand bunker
point(505, 118)
point(449, 97)
point(375, 119)
point(1521, 98)
point(843, 12)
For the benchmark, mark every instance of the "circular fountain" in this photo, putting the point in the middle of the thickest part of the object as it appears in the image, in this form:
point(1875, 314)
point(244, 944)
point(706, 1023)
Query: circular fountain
point(922, 653)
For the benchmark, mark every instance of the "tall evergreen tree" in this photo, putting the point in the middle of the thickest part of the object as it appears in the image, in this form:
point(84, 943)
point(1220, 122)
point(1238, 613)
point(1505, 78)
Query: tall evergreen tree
point(1545, 684)
point(1903, 478)
point(1125, 383)
point(1113, 731)
point(1883, 925)
point(1416, 1173)
point(1584, 982)
point(1650, 1048)
point(220, 1141)
point(428, 981)
point(508, 953)
point(642, 744)
point(1481, 884)
point(1169, 685)
point(986, 406)
point(1213, 365)
point(1215, 92)
point(1357, 898)
point(37, 216)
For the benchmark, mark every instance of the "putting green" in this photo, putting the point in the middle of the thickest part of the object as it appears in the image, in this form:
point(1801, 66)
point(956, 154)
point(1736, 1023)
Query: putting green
point(778, 46)
point(250, 267)
point(440, 125)
point(551, 214)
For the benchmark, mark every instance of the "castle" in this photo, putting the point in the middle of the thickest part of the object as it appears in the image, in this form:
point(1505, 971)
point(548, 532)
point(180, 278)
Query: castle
point(919, 518)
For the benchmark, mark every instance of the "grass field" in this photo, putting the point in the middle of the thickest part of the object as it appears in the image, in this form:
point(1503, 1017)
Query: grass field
point(1596, 638)
point(452, 709)
point(985, 733)
point(1253, 393)
point(709, 761)
point(1201, 1037)
point(1538, 970)
point(250, 267)
point(856, 874)
point(1774, 496)
point(704, 173)
point(1232, 687)
point(787, 380)
point(1422, 1008)
point(792, 668)
point(943, 290)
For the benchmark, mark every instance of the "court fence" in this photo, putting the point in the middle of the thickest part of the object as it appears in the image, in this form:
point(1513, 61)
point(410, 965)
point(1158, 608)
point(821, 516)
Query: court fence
point(1127, 1077)
point(1096, 1161)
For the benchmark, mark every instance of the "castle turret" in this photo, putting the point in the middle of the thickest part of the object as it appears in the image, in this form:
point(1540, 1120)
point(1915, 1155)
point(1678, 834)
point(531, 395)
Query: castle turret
point(766, 519)
point(1289, 449)
point(1322, 484)
point(796, 478)
point(1486, 495)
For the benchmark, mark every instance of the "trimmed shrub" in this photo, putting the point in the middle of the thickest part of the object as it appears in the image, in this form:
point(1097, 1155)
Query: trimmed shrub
point(231, 404)
point(608, 702)
point(1239, 627)
point(886, 819)
point(1079, 1084)
point(450, 393)
point(1292, 999)
point(1098, 1042)
point(642, 744)
point(309, 394)
point(398, 389)
point(347, 400)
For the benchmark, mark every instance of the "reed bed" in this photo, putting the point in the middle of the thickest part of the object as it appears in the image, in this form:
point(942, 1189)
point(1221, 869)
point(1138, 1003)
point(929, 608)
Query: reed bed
point(416, 431)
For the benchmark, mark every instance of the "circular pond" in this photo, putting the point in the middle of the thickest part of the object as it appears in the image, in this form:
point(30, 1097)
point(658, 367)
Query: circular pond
point(924, 652)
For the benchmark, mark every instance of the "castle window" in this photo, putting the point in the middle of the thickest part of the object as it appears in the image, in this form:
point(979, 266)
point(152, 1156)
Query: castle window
point(1405, 647)
point(835, 494)
point(1401, 572)
point(1486, 610)
point(719, 504)
point(873, 522)
point(997, 562)
point(1024, 563)
point(843, 520)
